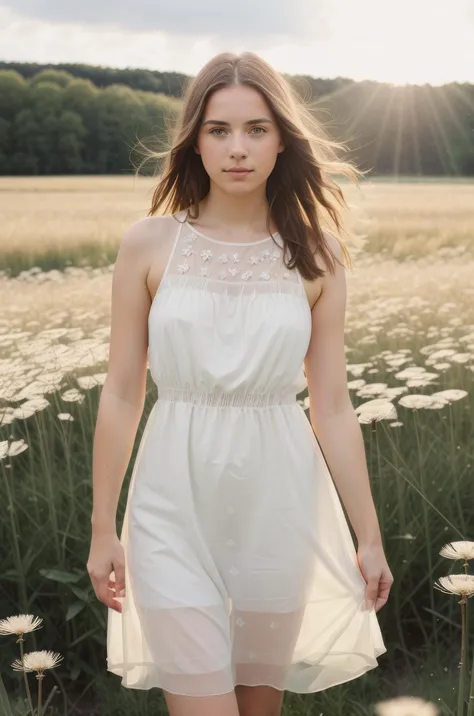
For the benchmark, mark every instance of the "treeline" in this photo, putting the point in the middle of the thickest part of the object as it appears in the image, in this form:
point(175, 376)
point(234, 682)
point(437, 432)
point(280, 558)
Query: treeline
point(78, 119)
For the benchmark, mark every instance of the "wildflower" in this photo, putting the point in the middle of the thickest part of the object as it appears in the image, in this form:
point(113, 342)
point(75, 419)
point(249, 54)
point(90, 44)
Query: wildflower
point(406, 706)
point(377, 409)
point(20, 624)
point(417, 401)
point(450, 395)
point(370, 389)
point(458, 550)
point(462, 584)
point(37, 661)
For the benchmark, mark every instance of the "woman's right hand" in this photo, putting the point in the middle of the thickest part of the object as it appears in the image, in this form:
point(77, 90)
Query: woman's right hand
point(106, 568)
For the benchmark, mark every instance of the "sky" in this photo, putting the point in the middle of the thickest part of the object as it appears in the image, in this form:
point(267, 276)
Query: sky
point(400, 42)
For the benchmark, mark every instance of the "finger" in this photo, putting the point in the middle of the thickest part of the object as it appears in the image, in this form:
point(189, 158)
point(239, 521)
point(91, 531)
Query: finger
point(371, 593)
point(107, 597)
point(382, 599)
point(119, 591)
point(379, 604)
point(119, 577)
point(384, 590)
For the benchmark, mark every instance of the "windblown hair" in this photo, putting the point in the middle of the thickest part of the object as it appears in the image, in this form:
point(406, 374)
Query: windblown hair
point(299, 184)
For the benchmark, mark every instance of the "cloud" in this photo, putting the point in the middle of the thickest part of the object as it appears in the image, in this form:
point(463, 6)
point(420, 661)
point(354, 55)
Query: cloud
point(286, 19)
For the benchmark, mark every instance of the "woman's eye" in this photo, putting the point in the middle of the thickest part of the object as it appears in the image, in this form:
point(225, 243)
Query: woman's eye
point(219, 129)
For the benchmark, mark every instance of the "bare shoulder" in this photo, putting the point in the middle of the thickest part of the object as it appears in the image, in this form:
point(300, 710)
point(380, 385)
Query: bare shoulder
point(149, 230)
point(149, 242)
point(314, 289)
point(332, 244)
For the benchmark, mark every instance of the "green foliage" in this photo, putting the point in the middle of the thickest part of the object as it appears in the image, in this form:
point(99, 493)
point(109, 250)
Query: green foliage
point(54, 124)
point(83, 119)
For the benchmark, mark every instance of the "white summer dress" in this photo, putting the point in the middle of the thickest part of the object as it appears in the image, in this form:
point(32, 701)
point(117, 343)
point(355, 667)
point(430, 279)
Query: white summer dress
point(240, 566)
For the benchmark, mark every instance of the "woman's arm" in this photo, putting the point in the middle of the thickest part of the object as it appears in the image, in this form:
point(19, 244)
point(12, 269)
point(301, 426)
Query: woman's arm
point(123, 393)
point(337, 428)
point(120, 408)
point(332, 414)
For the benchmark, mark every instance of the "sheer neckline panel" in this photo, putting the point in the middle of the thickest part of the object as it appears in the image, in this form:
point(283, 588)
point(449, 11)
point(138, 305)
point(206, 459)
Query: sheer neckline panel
point(230, 243)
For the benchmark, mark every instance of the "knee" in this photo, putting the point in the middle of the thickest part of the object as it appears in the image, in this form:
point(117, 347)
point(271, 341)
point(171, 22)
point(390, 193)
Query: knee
point(259, 700)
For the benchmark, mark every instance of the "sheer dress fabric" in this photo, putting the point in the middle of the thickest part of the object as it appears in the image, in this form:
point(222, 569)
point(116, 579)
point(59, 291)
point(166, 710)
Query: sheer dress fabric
point(240, 566)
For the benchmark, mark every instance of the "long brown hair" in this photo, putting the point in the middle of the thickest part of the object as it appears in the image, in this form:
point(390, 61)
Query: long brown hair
point(300, 182)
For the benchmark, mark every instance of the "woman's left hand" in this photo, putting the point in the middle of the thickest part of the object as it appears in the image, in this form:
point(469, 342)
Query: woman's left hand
point(376, 572)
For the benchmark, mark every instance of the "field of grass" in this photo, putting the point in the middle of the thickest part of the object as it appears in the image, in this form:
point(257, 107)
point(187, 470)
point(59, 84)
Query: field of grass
point(409, 331)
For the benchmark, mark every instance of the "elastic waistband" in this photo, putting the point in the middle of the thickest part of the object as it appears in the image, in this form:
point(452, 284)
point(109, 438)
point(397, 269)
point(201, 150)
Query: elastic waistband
point(252, 400)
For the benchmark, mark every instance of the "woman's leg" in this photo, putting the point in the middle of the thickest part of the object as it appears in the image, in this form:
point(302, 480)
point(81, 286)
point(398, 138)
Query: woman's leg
point(221, 705)
point(259, 700)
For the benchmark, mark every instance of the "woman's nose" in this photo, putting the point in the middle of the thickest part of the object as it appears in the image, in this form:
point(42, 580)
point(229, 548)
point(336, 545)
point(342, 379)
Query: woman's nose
point(237, 147)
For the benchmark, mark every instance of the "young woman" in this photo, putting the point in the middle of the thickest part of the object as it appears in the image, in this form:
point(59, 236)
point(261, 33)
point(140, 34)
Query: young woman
point(236, 577)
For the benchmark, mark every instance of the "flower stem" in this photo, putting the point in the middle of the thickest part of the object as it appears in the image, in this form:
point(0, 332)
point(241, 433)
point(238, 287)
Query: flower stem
point(470, 708)
point(40, 684)
point(25, 677)
point(462, 664)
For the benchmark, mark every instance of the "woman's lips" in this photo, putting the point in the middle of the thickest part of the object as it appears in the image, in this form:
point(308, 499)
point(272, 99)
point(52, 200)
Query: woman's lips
point(239, 172)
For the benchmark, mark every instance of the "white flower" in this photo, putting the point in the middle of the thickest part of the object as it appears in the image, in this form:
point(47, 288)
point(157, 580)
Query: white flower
point(236, 258)
point(182, 268)
point(223, 258)
point(37, 661)
point(205, 271)
point(240, 622)
point(254, 260)
point(369, 389)
point(275, 255)
point(371, 404)
point(378, 409)
point(264, 253)
point(450, 395)
point(406, 706)
point(191, 238)
point(20, 624)
point(222, 274)
point(286, 274)
point(206, 254)
point(246, 275)
point(462, 584)
point(417, 401)
point(233, 271)
point(264, 275)
point(187, 251)
point(16, 446)
point(458, 550)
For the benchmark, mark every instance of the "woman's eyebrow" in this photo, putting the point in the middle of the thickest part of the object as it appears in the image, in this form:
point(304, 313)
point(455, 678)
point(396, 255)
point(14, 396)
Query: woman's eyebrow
point(259, 120)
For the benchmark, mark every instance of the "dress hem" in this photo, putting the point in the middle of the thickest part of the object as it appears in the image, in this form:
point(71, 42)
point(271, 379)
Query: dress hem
point(116, 670)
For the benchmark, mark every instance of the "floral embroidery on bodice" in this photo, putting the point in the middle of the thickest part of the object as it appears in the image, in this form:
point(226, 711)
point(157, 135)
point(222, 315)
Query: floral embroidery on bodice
point(256, 261)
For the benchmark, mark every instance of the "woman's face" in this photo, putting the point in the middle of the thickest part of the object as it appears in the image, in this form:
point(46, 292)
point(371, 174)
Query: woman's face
point(238, 130)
